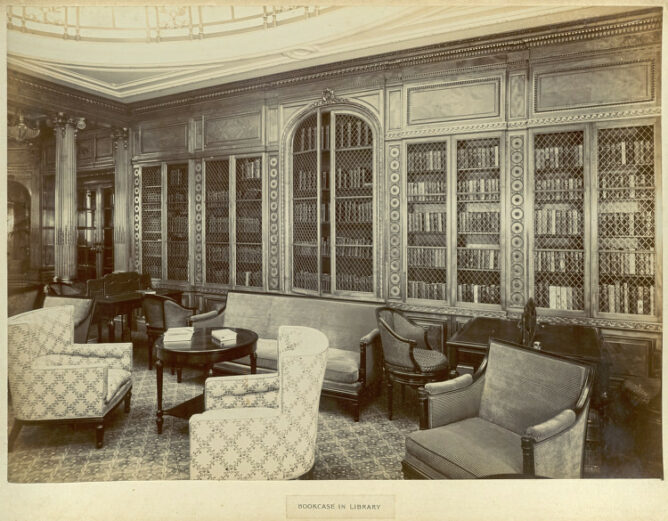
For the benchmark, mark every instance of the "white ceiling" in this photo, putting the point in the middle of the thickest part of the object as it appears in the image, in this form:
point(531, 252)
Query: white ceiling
point(128, 69)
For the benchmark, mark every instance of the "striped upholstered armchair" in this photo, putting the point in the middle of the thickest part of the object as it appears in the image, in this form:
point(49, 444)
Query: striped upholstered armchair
point(524, 412)
point(263, 426)
point(52, 379)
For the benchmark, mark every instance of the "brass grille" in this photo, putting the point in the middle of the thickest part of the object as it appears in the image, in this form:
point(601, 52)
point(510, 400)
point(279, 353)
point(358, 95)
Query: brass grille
point(151, 212)
point(218, 221)
point(177, 222)
point(559, 221)
point(626, 220)
point(249, 221)
point(426, 194)
point(478, 221)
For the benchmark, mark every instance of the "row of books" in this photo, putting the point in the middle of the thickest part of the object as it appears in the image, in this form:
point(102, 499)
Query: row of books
point(626, 180)
point(217, 224)
point(415, 188)
point(627, 263)
point(471, 222)
point(218, 253)
point(354, 282)
point(249, 254)
point(427, 221)
point(353, 134)
point(478, 156)
point(309, 280)
point(307, 250)
point(177, 177)
point(551, 221)
point(430, 257)
point(627, 194)
point(217, 196)
point(152, 196)
point(177, 248)
point(358, 177)
point(219, 276)
point(151, 248)
point(177, 224)
point(565, 156)
point(249, 225)
point(622, 297)
point(354, 211)
point(625, 223)
point(249, 278)
point(426, 160)
point(308, 212)
point(570, 184)
point(307, 138)
point(249, 168)
point(177, 197)
point(479, 293)
point(360, 247)
point(559, 261)
point(307, 181)
point(559, 297)
point(625, 152)
point(427, 290)
point(478, 258)
point(482, 185)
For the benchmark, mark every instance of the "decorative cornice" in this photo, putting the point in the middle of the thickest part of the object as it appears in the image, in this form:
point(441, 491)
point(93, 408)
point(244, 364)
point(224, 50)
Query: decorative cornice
point(576, 118)
point(516, 41)
point(439, 131)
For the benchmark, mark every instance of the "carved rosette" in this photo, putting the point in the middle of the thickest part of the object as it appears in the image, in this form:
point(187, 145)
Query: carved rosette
point(394, 188)
point(198, 222)
point(274, 235)
point(120, 137)
point(517, 224)
point(136, 199)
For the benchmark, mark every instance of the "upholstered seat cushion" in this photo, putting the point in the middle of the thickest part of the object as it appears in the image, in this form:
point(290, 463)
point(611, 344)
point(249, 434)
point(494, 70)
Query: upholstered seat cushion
point(116, 379)
point(475, 448)
point(428, 360)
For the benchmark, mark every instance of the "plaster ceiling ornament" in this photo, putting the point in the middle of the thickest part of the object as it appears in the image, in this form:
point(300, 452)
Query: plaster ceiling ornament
point(21, 131)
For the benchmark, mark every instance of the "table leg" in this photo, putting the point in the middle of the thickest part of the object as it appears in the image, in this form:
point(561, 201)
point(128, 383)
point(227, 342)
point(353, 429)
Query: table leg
point(158, 374)
point(253, 363)
point(111, 326)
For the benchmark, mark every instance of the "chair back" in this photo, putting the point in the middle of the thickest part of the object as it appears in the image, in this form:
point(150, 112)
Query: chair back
point(84, 309)
point(154, 310)
point(395, 351)
point(525, 387)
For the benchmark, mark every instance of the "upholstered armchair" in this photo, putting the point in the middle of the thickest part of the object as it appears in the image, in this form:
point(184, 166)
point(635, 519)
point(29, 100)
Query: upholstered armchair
point(263, 426)
point(412, 355)
point(53, 379)
point(84, 308)
point(524, 412)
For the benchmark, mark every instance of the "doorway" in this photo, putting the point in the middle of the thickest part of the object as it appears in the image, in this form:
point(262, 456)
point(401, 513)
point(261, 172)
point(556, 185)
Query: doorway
point(95, 228)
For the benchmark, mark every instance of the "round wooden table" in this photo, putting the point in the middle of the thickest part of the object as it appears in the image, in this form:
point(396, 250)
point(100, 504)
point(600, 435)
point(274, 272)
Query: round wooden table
point(201, 350)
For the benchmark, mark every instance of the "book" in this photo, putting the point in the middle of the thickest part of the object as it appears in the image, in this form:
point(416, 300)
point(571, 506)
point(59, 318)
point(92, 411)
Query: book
point(224, 336)
point(178, 334)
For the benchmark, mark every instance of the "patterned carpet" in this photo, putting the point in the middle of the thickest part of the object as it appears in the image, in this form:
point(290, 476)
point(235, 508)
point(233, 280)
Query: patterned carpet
point(370, 449)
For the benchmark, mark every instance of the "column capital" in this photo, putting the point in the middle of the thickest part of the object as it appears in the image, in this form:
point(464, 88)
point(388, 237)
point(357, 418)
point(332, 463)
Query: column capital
point(120, 137)
point(61, 121)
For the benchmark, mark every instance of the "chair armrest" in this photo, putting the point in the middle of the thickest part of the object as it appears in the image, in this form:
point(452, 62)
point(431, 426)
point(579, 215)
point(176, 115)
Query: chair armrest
point(244, 390)
point(117, 355)
point(208, 319)
point(370, 337)
point(176, 315)
point(370, 359)
point(433, 338)
point(551, 427)
point(450, 401)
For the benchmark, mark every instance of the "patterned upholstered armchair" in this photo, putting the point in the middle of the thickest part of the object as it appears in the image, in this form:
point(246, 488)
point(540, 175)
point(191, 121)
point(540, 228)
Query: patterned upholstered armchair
point(524, 412)
point(412, 355)
point(263, 426)
point(53, 379)
point(84, 308)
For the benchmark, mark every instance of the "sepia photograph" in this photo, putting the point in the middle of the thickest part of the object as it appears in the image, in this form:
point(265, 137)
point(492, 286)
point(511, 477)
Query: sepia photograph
point(309, 262)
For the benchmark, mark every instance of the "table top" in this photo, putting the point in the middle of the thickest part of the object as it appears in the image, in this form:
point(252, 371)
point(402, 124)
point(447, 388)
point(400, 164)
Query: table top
point(202, 343)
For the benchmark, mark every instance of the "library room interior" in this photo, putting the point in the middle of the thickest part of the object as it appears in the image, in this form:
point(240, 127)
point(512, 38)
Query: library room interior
point(252, 242)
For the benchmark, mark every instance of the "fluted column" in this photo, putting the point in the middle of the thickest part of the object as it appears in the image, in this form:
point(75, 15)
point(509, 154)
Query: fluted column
point(122, 198)
point(65, 255)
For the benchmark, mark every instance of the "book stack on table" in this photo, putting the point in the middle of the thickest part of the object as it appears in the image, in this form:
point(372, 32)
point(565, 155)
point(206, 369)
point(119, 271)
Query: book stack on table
point(224, 336)
point(178, 335)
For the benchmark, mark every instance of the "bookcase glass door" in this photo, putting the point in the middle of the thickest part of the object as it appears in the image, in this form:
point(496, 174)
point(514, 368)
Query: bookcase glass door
point(559, 242)
point(87, 234)
point(249, 221)
point(626, 221)
point(151, 227)
point(478, 221)
point(48, 220)
point(427, 238)
point(218, 221)
point(177, 221)
point(332, 189)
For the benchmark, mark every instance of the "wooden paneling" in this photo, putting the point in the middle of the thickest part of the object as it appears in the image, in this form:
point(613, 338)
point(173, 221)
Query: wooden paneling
point(164, 138)
point(593, 86)
point(103, 148)
point(394, 109)
point(239, 127)
point(632, 354)
point(460, 100)
point(85, 150)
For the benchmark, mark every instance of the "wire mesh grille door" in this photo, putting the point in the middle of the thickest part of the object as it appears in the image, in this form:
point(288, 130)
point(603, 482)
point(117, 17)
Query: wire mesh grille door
point(353, 195)
point(151, 215)
point(626, 220)
point(559, 221)
point(177, 222)
point(249, 221)
point(426, 194)
point(218, 221)
point(305, 186)
point(478, 221)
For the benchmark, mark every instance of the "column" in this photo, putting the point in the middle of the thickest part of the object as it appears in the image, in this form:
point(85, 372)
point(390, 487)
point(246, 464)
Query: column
point(122, 200)
point(65, 254)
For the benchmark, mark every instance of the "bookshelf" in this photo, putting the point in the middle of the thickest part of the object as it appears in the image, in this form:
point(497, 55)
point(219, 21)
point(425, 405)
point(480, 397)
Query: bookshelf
point(177, 221)
point(87, 234)
point(627, 263)
point(333, 205)
point(427, 238)
point(218, 221)
point(151, 215)
point(48, 220)
point(478, 221)
point(559, 221)
point(249, 221)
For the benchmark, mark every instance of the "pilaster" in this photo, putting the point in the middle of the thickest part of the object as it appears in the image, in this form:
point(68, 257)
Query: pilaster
point(122, 199)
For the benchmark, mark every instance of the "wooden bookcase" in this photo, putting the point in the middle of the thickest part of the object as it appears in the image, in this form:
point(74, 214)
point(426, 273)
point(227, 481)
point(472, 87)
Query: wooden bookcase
point(48, 220)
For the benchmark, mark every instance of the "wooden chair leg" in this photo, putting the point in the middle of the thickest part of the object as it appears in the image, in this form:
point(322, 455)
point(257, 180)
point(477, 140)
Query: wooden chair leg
point(126, 405)
point(99, 435)
point(150, 352)
point(16, 428)
point(179, 373)
point(357, 411)
point(389, 397)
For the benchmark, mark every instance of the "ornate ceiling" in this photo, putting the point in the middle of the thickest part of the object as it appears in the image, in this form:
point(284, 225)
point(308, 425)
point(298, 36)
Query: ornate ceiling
point(136, 53)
